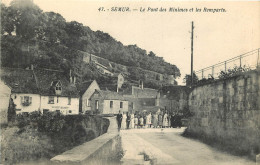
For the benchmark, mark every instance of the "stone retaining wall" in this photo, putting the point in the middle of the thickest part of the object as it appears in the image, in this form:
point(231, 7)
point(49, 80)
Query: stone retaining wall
point(228, 109)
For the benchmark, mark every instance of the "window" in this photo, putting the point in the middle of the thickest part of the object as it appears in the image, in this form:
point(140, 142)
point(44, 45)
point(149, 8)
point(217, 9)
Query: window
point(69, 100)
point(111, 104)
point(51, 100)
point(58, 88)
point(121, 104)
point(96, 104)
point(57, 99)
point(88, 102)
point(26, 100)
point(70, 111)
point(58, 111)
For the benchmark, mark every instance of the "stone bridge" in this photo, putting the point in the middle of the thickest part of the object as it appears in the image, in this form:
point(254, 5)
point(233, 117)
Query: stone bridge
point(146, 146)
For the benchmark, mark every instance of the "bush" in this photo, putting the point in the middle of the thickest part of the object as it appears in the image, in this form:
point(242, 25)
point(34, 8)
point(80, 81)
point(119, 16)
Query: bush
point(37, 135)
point(24, 145)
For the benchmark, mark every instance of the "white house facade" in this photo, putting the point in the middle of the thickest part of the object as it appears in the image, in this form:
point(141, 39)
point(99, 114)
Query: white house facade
point(26, 102)
point(64, 105)
point(42, 90)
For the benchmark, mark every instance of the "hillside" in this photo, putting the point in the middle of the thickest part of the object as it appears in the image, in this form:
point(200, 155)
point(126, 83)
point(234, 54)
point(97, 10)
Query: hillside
point(45, 39)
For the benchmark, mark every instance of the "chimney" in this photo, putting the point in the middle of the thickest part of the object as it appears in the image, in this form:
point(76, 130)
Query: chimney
point(31, 66)
point(74, 78)
point(142, 85)
point(70, 77)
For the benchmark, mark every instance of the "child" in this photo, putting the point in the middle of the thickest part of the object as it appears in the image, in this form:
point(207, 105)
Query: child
point(136, 121)
point(141, 121)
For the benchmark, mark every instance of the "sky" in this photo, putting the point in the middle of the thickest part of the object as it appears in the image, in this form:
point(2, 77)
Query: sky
point(217, 36)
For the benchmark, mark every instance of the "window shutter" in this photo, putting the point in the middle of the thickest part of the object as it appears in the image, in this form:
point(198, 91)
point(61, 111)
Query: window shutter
point(21, 99)
point(30, 101)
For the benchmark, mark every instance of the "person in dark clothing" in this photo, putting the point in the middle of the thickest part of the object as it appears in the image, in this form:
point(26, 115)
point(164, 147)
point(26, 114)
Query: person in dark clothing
point(178, 118)
point(128, 119)
point(119, 118)
point(174, 121)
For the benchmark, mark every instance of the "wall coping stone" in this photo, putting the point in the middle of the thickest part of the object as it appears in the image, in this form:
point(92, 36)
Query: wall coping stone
point(86, 150)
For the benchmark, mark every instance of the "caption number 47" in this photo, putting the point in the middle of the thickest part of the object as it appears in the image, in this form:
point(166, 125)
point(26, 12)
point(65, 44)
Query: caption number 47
point(101, 9)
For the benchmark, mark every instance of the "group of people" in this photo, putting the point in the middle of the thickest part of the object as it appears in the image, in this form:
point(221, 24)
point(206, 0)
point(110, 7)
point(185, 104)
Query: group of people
point(148, 120)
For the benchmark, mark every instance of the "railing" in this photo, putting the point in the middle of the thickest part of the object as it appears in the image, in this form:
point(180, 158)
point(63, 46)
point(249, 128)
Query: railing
point(249, 60)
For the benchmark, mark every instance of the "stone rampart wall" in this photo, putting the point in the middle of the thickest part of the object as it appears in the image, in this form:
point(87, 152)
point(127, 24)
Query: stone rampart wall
point(228, 109)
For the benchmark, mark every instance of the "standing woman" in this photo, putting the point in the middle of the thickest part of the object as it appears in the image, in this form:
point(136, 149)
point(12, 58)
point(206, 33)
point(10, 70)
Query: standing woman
point(155, 120)
point(169, 120)
point(149, 120)
point(124, 121)
point(160, 120)
point(132, 121)
point(141, 121)
point(165, 120)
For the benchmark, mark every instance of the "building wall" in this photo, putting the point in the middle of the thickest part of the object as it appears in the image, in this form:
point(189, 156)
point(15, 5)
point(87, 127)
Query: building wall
point(104, 105)
point(115, 108)
point(5, 93)
point(60, 104)
point(86, 96)
point(228, 109)
point(34, 106)
point(96, 97)
point(144, 93)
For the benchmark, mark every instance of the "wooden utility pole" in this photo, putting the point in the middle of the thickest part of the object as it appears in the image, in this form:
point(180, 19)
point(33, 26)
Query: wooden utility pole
point(191, 73)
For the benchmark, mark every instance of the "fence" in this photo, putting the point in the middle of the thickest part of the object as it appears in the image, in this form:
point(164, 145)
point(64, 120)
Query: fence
point(249, 60)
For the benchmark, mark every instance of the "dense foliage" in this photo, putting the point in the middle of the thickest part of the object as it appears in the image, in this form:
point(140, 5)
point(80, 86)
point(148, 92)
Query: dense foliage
point(41, 136)
point(30, 35)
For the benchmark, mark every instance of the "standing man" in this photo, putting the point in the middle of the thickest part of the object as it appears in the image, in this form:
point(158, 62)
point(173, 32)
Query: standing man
point(119, 117)
point(128, 120)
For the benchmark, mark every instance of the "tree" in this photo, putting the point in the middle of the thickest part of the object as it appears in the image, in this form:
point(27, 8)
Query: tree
point(7, 20)
point(27, 18)
point(55, 28)
point(11, 111)
point(187, 79)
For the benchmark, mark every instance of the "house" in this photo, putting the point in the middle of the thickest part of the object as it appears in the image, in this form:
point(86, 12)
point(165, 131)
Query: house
point(103, 69)
point(86, 91)
point(58, 92)
point(24, 90)
point(5, 93)
point(174, 98)
point(107, 102)
point(143, 99)
point(41, 90)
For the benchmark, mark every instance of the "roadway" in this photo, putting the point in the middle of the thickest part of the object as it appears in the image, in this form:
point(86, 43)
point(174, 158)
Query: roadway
point(167, 146)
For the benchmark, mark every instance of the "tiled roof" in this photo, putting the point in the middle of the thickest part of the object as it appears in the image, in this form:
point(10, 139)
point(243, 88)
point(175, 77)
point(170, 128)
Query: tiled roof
point(110, 87)
point(46, 77)
point(37, 81)
point(19, 80)
point(108, 95)
point(84, 86)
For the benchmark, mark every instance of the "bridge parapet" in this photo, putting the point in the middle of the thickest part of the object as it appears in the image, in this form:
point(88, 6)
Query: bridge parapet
point(100, 149)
